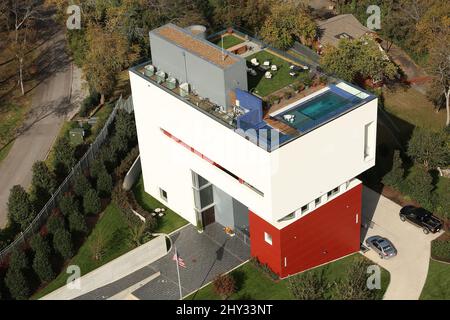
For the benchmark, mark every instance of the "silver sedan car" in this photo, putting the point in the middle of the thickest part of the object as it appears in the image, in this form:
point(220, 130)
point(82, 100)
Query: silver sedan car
point(382, 246)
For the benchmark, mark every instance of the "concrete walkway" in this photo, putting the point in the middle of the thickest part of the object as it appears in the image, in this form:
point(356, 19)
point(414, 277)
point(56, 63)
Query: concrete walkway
point(51, 103)
point(115, 270)
point(409, 268)
point(206, 255)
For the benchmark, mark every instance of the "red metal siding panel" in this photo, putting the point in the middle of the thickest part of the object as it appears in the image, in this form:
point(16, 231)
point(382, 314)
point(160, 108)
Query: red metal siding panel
point(328, 233)
point(259, 248)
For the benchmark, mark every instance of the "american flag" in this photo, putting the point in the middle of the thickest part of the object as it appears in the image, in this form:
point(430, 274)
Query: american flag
point(176, 257)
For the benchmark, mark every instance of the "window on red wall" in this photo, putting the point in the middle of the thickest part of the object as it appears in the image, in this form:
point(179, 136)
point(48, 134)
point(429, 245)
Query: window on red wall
point(268, 238)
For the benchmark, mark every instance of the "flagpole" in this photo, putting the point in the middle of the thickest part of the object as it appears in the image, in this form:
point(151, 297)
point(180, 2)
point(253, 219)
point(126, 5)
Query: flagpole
point(178, 272)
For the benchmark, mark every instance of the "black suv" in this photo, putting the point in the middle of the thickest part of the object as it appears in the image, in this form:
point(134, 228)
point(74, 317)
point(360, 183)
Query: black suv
point(421, 218)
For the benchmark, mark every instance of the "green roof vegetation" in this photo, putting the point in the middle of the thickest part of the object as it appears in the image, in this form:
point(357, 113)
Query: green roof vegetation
point(281, 78)
point(228, 41)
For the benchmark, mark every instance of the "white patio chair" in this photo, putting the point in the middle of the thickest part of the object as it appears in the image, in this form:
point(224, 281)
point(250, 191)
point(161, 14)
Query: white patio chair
point(254, 62)
point(268, 75)
point(274, 67)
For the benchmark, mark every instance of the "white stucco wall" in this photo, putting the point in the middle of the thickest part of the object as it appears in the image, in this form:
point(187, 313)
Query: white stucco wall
point(289, 177)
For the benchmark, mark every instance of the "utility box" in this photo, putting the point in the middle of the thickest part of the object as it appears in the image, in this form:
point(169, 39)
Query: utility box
point(76, 136)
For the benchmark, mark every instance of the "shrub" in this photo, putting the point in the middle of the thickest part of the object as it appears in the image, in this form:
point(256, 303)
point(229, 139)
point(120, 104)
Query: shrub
point(68, 205)
point(81, 185)
point(41, 262)
point(43, 267)
point(394, 177)
point(126, 163)
point(104, 184)
point(310, 285)
point(64, 157)
point(39, 244)
point(77, 223)
point(20, 208)
point(62, 242)
point(97, 168)
point(265, 268)
point(89, 103)
point(354, 285)
point(441, 249)
point(42, 184)
point(17, 284)
point(224, 285)
point(15, 278)
point(419, 185)
point(55, 223)
point(91, 202)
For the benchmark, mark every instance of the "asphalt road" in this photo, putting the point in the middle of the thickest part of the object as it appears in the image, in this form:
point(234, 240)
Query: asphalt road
point(50, 105)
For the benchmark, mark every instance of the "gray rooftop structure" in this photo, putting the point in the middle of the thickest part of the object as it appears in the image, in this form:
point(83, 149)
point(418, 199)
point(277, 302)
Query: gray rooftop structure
point(211, 72)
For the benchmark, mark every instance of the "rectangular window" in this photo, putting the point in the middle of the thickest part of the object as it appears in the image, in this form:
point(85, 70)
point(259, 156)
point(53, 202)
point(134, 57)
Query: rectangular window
point(268, 238)
point(333, 192)
point(304, 209)
point(163, 194)
point(369, 141)
point(317, 201)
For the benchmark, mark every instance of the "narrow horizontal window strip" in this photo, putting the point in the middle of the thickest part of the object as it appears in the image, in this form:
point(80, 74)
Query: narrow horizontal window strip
point(199, 154)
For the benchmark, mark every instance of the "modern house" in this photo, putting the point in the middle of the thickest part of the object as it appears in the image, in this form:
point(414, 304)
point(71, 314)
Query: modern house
point(217, 147)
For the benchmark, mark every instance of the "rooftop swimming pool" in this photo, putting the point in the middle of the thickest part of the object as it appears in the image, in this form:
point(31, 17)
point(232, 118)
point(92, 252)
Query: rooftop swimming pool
point(336, 100)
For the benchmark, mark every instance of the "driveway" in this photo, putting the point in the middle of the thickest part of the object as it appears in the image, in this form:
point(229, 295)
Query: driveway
point(206, 255)
point(409, 268)
point(50, 105)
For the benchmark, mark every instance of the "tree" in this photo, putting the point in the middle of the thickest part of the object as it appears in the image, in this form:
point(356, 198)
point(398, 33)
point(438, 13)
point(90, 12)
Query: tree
point(43, 183)
point(288, 21)
point(247, 14)
point(106, 56)
point(17, 284)
point(439, 68)
point(429, 148)
point(419, 185)
point(97, 167)
point(39, 244)
point(68, 205)
point(308, 286)
point(224, 285)
point(24, 12)
point(41, 261)
point(81, 185)
point(15, 278)
point(124, 124)
point(20, 208)
point(104, 184)
point(91, 202)
point(354, 285)
point(77, 223)
point(358, 58)
point(395, 177)
point(64, 158)
point(62, 242)
point(55, 223)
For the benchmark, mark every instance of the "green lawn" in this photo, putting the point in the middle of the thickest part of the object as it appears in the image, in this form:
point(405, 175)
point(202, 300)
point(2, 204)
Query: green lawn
point(414, 108)
point(280, 79)
point(254, 284)
point(112, 227)
point(228, 41)
point(11, 117)
point(170, 222)
point(437, 286)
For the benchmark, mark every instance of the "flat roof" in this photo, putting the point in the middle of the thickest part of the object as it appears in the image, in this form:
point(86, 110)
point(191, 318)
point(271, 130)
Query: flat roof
point(197, 46)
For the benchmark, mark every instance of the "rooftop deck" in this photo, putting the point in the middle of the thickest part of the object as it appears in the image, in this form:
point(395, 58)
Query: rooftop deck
point(294, 102)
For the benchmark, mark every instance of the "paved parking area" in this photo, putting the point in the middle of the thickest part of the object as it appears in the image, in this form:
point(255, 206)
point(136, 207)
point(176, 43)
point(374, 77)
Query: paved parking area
point(409, 268)
point(205, 255)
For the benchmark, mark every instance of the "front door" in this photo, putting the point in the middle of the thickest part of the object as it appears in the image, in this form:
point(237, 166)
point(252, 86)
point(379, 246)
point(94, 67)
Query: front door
point(208, 216)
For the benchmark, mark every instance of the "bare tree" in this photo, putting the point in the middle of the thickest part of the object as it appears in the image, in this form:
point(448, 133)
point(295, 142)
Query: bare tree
point(439, 68)
point(23, 13)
